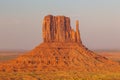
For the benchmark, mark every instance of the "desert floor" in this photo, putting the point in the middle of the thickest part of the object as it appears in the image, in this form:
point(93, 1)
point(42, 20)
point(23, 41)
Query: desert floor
point(60, 75)
point(113, 55)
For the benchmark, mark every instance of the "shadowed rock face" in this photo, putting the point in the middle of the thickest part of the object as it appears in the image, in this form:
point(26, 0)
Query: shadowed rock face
point(58, 29)
point(62, 49)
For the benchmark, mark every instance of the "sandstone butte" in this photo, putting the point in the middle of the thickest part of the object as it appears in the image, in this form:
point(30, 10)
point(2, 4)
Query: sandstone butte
point(62, 49)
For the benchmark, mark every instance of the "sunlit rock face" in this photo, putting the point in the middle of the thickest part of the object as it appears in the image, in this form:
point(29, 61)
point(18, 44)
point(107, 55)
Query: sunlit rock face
point(58, 29)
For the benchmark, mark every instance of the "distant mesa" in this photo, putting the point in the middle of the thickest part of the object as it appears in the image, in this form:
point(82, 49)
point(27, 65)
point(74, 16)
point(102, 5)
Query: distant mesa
point(62, 49)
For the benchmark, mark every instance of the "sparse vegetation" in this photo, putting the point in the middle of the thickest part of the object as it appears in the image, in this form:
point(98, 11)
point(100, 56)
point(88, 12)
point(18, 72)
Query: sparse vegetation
point(59, 75)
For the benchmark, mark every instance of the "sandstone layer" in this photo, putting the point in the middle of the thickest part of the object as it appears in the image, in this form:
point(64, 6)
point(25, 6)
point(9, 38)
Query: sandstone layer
point(62, 49)
point(58, 29)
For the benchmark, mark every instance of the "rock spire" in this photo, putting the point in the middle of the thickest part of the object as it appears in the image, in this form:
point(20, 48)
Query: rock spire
point(58, 29)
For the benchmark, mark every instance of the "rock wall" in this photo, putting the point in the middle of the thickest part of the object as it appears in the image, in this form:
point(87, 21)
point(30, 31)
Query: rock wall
point(58, 29)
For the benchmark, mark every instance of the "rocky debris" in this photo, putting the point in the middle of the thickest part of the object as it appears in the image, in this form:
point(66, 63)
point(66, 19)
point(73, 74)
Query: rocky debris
point(58, 29)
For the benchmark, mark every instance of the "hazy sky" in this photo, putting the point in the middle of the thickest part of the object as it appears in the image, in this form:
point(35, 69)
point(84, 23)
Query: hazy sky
point(20, 21)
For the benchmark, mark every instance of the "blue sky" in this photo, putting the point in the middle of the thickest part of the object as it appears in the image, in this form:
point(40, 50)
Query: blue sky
point(20, 21)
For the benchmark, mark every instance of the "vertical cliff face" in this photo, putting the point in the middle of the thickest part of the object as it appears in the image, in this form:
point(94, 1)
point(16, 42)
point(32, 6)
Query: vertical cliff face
point(78, 32)
point(58, 29)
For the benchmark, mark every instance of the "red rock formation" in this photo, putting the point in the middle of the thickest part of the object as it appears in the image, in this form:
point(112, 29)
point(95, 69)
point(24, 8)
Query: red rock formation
point(58, 29)
point(62, 49)
point(77, 32)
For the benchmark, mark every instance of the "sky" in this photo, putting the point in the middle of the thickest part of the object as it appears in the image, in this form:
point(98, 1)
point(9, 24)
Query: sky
point(21, 22)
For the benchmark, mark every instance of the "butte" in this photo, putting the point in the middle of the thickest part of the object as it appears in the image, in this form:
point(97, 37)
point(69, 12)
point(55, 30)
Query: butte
point(61, 50)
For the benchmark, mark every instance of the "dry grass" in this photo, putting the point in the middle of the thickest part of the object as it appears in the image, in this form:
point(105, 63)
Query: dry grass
point(60, 75)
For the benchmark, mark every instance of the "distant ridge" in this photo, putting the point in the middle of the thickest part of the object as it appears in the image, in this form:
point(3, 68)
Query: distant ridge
point(13, 50)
